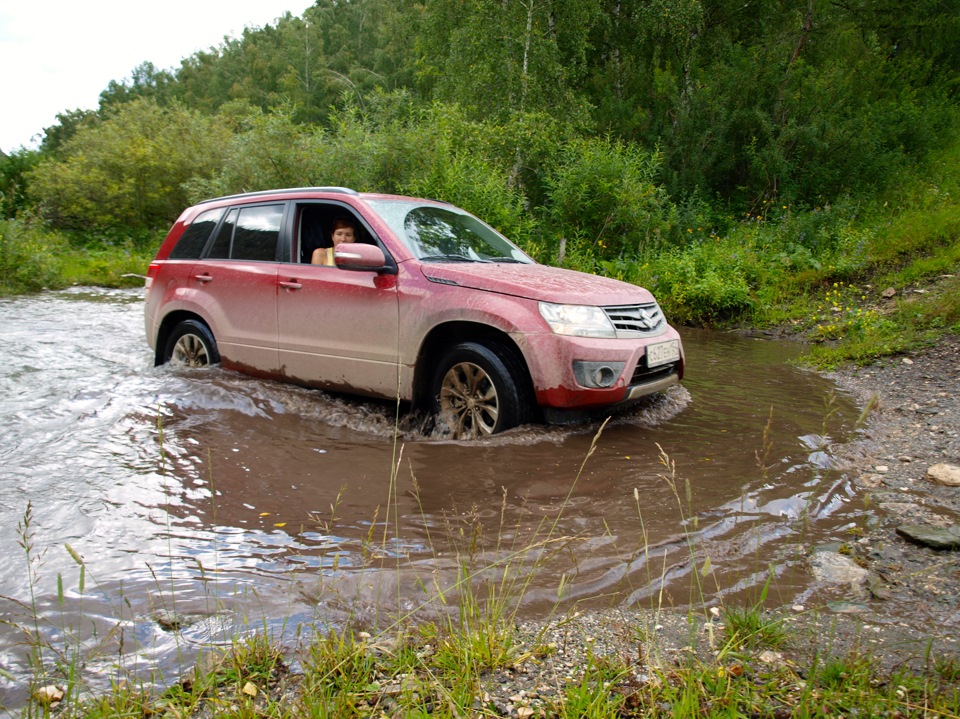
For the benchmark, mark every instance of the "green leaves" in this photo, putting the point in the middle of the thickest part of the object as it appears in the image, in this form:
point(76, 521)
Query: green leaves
point(604, 192)
point(129, 169)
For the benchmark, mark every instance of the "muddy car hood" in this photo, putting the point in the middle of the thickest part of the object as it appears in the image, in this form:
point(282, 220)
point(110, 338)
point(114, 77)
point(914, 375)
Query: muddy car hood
point(538, 282)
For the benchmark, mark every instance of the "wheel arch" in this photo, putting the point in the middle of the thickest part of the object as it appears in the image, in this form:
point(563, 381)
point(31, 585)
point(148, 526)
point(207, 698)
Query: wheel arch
point(166, 327)
point(448, 334)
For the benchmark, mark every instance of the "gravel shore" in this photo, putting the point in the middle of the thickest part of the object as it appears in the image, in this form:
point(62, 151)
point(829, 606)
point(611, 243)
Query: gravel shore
point(902, 467)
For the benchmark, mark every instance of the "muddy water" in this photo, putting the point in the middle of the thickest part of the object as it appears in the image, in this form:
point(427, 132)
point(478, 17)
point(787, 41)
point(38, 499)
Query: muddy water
point(214, 502)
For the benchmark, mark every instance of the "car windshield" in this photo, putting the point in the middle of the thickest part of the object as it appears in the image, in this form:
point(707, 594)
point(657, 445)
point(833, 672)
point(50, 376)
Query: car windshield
point(446, 234)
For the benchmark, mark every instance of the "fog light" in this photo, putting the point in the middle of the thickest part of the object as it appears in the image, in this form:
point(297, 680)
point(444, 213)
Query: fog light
point(604, 376)
point(599, 375)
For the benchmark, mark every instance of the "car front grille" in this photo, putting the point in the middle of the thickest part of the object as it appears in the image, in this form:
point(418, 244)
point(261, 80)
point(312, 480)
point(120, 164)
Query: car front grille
point(644, 375)
point(637, 319)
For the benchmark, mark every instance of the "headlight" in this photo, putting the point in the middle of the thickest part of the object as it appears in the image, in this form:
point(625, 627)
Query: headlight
point(577, 320)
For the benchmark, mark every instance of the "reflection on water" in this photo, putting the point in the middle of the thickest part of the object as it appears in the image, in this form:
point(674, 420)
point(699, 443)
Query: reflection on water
point(229, 502)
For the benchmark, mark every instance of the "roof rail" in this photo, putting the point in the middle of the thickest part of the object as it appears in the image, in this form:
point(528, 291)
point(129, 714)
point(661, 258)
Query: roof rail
point(282, 191)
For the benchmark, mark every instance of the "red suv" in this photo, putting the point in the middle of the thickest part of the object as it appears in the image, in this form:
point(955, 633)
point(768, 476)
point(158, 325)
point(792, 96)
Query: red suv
point(424, 302)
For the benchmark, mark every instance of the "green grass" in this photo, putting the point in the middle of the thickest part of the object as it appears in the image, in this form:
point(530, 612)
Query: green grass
point(750, 628)
point(33, 258)
point(905, 324)
point(106, 267)
point(30, 257)
point(351, 674)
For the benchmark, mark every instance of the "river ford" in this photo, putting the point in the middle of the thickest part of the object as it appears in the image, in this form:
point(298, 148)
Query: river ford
point(204, 503)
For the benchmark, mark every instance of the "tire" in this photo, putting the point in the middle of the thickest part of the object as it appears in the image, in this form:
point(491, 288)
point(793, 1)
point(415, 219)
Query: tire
point(191, 344)
point(479, 390)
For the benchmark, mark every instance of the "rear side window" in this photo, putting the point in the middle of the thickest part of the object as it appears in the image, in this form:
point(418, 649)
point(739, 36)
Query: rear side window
point(258, 230)
point(220, 250)
point(193, 239)
point(249, 233)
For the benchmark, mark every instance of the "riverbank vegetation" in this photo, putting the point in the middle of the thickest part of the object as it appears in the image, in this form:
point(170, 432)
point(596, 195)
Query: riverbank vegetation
point(353, 674)
point(34, 257)
point(746, 162)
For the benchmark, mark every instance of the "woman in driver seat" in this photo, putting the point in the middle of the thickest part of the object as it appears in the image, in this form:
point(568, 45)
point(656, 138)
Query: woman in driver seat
point(343, 231)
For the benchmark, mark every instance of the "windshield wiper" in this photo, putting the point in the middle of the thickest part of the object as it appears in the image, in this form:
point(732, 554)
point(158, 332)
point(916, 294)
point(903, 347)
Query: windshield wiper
point(450, 258)
point(512, 260)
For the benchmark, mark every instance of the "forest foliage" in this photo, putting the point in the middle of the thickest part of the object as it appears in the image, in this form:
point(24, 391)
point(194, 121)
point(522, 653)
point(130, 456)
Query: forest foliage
point(661, 141)
point(739, 101)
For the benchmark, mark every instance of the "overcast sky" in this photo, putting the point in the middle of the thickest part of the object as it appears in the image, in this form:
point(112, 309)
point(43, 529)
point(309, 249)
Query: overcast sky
point(58, 55)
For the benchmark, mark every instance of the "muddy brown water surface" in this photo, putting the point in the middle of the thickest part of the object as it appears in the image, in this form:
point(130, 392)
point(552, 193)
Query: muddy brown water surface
point(205, 503)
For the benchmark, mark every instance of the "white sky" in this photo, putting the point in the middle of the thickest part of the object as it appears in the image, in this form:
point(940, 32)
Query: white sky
point(59, 55)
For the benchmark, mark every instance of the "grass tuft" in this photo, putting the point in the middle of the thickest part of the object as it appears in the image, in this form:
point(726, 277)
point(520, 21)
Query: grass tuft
point(750, 628)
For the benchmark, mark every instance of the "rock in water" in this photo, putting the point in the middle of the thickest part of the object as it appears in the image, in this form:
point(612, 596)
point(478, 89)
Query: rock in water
point(834, 568)
point(931, 536)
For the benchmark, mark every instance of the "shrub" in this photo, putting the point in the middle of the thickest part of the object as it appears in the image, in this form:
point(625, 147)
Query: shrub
point(707, 282)
point(604, 192)
point(30, 256)
point(129, 169)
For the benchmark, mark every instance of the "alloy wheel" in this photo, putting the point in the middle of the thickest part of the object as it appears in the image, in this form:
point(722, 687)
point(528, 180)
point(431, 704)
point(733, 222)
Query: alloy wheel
point(190, 351)
point(469, 398)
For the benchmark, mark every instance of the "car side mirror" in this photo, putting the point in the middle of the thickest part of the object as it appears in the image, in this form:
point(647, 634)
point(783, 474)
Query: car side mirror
point(357, 256)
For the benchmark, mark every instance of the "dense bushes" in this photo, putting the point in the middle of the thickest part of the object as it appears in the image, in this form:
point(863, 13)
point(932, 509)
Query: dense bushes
point(605, 192)
point(129, 169)
point(33, 258)
point(30, 256)
point(14, 169)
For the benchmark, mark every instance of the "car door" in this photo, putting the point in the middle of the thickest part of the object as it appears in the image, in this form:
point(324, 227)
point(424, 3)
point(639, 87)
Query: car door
point(338, 328)
point(238, 279)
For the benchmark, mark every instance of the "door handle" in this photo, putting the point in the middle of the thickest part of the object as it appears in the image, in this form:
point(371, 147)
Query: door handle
point(291, 284)
point(203, 278)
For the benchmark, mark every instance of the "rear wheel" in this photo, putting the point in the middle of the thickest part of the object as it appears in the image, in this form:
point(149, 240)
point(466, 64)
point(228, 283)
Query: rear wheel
point(478, 391)
point(191, 344)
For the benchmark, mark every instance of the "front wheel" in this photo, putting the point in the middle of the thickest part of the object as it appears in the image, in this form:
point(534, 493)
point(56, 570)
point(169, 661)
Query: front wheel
point(191, 344)
point(478, 392)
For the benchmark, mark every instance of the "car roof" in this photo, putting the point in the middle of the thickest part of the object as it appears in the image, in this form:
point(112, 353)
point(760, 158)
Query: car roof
point(310, 192)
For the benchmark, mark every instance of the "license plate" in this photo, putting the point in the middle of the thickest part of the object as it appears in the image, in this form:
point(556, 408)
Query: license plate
point(662, 353)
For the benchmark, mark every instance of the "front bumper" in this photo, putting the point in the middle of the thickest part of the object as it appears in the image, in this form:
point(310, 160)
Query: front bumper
point(550, 361)
point(555, 415)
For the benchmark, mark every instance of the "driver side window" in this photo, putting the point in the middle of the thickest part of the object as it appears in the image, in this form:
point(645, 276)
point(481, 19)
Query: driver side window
point(315, 226)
